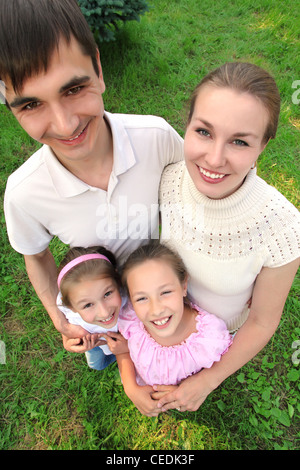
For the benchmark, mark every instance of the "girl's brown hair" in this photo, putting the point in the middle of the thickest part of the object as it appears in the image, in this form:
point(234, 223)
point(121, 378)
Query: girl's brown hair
point(154, 251)
point(94, 268)
point(245, 78)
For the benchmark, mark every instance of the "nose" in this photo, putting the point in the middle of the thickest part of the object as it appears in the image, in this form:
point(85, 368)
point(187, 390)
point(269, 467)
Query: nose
point(64, 122)
point(102, 311)
point(156, 307)
point(216, 155)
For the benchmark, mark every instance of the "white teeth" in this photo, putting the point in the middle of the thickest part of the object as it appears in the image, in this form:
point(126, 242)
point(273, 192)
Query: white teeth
point(76, 137)
point(161, 322)
point(211, 175)
point(107, 319)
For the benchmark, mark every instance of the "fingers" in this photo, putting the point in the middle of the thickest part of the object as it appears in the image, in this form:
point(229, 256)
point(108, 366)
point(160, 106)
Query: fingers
point(162, 390)
point(81, 345)
point(114, 335)
point(158, 395)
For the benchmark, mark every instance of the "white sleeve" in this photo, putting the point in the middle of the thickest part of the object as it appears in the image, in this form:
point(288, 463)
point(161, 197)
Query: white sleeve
point(26, 235)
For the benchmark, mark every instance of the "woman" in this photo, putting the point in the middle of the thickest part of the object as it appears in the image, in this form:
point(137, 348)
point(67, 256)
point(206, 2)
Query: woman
point(238, 236)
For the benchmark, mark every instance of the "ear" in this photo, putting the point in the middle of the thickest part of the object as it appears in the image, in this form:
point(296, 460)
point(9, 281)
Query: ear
point(185, 286)
point(101, 79)
point(263, 145)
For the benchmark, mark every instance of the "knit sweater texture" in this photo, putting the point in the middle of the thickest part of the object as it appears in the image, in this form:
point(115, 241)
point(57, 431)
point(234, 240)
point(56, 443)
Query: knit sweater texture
point(226, 242)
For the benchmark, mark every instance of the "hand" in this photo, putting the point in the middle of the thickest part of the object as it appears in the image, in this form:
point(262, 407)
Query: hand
point(81, 345)
point(142, 399)
point(188, 396)
point(116, 342)
point(161, 390)
point(72, 331)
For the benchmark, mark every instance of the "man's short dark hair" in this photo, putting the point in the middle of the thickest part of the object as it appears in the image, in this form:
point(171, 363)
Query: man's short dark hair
point(30, 31)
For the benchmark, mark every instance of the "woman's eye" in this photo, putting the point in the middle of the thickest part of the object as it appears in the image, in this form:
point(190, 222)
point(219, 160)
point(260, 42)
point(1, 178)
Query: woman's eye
point(240, 142)
point(203, 132)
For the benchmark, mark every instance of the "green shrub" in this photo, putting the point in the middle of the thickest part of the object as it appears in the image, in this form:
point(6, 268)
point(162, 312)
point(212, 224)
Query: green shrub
point(105, 16)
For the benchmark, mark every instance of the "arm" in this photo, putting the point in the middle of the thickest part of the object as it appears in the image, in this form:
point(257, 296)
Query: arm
point(41, 269)
point(116, 342)
point(269, 295)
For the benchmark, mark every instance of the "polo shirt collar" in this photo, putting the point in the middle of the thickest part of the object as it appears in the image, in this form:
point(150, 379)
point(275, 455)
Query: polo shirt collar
point(68, 185)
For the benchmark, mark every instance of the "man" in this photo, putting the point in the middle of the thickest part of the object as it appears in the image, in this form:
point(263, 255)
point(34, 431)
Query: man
point(95, 180)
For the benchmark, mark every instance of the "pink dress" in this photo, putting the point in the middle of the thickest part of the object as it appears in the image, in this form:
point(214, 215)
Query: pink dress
point(169, 365)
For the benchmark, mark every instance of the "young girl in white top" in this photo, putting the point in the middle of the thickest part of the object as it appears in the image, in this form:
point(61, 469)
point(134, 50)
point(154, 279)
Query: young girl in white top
point(90, 296)
point(169, 338)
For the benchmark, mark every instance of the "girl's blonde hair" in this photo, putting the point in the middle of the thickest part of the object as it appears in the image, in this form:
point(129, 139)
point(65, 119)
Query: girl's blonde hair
point(94, 268)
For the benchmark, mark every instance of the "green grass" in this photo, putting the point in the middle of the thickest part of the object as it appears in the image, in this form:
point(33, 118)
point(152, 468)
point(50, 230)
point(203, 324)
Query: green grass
point(49, 398)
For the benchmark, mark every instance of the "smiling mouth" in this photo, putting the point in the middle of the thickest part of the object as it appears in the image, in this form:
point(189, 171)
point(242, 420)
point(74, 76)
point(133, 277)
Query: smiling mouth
point(211, 175)
point(108, 320)
point(76, 138)
point(162, 322)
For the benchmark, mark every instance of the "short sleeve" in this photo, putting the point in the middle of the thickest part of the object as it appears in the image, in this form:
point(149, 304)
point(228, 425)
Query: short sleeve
point(26, 235)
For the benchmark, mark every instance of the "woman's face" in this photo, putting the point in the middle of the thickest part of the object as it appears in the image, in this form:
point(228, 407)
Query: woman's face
point(223, 139)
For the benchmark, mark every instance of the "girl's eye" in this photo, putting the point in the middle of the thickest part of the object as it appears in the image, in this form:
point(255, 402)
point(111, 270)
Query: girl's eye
point(140, 299)
point(166, 292)
point(87, 305)
point(240, 143)
point(108, 293)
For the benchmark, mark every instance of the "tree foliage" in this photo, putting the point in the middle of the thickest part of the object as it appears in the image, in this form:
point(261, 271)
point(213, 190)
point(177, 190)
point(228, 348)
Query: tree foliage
point(105, 16)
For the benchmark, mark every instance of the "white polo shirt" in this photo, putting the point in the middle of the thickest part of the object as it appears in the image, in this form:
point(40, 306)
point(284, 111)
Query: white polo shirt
point(43, 199)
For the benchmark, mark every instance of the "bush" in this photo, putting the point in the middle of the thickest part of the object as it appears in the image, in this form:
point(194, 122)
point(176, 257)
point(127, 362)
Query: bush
point(105, 16)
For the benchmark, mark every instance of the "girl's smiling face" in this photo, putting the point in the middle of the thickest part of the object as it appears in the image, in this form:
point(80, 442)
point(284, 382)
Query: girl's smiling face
point(223, 139)
point(157, 296)
point(98, 301)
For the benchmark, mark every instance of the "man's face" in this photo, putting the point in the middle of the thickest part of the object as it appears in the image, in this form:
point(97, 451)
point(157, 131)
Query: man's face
point(63, 107)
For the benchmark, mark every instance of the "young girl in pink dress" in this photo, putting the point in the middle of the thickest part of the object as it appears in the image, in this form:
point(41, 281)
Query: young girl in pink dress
point(169, 338)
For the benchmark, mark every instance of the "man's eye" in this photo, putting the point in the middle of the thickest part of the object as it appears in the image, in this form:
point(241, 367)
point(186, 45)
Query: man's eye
point(31, 106)
point(75, 90)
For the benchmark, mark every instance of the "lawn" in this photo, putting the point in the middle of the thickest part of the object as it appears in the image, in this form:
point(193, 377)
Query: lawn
point(50, 400)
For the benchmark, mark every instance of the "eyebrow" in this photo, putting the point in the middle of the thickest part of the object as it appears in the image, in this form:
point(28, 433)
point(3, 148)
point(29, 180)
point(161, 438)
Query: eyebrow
point(75, 81)
point(236, 134)
point(164, 286)
point(85, 300)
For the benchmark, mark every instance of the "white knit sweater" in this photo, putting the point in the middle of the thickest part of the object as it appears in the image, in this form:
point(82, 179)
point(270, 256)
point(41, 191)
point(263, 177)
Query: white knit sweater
point(226, 242)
